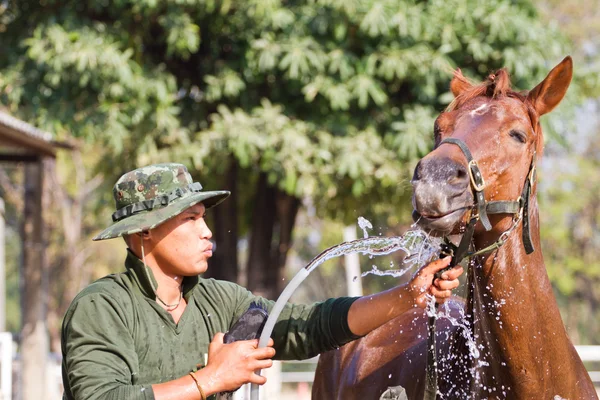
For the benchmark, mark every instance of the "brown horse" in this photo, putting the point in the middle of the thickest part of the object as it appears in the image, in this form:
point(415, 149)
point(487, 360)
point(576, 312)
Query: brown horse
point(516, 346)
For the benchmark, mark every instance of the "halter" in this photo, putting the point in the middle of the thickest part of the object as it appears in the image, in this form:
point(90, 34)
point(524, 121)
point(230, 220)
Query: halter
point(518, 208)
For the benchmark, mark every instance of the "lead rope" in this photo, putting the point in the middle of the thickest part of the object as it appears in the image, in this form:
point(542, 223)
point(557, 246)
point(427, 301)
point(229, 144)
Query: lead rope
point(457, 253)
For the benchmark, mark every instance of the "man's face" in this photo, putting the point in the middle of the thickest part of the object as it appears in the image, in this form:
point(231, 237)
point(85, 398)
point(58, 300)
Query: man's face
point(181, 245)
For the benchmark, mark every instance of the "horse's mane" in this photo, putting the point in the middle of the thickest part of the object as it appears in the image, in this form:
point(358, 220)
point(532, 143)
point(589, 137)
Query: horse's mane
point(496, 86)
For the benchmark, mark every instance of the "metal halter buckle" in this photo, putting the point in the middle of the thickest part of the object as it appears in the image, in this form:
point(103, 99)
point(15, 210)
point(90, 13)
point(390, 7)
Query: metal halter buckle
point(521, 202)
point(532, 176)
point(473, 166)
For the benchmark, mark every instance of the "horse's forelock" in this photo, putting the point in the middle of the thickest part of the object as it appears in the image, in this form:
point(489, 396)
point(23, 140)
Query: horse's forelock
point(495, 86)
point(498, 84)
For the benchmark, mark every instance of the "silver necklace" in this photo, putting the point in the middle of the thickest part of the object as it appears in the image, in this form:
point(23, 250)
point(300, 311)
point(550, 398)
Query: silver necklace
point(171, 307)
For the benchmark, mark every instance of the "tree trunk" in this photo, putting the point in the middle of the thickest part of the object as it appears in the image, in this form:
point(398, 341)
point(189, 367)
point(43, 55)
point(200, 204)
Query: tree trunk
point(287, 209)
point(34, 287)
point(69, 269)
point(273, 219)
point(261, 270)
point(224, 263)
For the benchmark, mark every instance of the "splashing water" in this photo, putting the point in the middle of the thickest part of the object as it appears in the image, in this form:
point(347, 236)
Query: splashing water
point(364, 224)
point(418, 246)
point(461, 323)
point(396, 273)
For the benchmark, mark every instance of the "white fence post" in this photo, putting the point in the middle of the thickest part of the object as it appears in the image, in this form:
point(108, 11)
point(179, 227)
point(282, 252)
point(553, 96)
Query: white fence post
point(6, 359)
point(352, 264)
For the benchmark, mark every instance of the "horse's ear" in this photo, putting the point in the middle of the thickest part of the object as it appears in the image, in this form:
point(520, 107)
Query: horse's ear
point(459, 83)
point(553, 88)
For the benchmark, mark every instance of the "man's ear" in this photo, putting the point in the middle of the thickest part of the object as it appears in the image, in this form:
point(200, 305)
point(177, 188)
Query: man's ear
point(553, 88)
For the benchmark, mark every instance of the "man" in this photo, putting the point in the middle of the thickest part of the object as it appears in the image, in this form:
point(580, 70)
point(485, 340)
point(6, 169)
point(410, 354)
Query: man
point(155, 330)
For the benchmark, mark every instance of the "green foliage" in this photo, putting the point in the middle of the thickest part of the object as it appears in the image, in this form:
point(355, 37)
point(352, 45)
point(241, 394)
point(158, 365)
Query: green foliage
point(13, 294)
point(570, 214)
point(322, 95)
point(572, 220)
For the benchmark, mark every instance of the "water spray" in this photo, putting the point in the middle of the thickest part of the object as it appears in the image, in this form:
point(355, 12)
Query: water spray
point(417, 245)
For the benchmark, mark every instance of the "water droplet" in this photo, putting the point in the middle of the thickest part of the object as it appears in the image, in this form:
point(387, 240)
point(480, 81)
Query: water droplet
point(364, 224)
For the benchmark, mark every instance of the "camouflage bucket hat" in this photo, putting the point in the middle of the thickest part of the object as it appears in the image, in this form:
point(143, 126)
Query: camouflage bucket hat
point(148, 196)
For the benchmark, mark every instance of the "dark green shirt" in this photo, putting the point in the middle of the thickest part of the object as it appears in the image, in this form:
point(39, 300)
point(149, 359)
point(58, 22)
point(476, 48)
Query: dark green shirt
point(117, 341)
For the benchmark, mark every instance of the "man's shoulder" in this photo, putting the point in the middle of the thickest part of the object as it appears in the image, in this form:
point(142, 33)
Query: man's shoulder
point(111, 289)
point(216, 285)
point(224, 292)
point(112, 285)
point(100, 306)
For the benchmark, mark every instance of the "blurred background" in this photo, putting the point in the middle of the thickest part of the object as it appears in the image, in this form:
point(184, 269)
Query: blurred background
point(313, 113)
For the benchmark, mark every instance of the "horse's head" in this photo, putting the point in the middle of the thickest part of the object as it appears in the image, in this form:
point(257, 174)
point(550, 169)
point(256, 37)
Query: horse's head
point(501, 129)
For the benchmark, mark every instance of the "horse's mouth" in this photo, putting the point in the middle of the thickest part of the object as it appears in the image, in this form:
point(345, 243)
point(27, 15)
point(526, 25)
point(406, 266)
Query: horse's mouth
point(440, 224)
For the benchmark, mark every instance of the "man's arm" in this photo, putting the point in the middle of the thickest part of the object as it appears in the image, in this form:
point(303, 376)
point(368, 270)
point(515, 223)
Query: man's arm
point(370, 312)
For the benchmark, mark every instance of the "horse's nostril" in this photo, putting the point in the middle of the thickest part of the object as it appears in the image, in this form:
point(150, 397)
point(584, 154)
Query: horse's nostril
point(417, 174)
point(461, 172)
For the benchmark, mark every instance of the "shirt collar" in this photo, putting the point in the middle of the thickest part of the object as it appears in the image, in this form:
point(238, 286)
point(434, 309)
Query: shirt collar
point(144, 278)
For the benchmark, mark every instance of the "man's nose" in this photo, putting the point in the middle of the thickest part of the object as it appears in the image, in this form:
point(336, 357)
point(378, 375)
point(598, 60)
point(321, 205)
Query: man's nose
point(205, 232)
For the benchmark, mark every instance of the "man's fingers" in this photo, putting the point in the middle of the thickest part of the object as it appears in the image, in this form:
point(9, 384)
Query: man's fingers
point(453, 273)
point(446, 285)
point(218, 337)
point(440, 294)
point(258, 379)
point(271, 343)
point(262, 364)
point(263, 352)
point(437, 265)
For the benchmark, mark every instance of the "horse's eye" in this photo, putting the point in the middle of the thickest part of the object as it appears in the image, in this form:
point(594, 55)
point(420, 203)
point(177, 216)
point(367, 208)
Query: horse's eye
point(518, 135)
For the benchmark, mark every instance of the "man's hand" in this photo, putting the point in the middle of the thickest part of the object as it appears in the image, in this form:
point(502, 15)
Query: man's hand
point(423, 284)
point(232, 365)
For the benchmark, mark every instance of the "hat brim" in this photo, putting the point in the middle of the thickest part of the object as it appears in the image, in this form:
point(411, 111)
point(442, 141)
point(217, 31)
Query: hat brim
point(145, 221)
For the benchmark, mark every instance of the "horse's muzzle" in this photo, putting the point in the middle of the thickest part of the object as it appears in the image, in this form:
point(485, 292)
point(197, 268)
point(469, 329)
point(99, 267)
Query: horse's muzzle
point(440, 225)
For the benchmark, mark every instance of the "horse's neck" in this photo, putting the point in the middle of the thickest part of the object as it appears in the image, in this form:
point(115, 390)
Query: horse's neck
point(517, 324)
